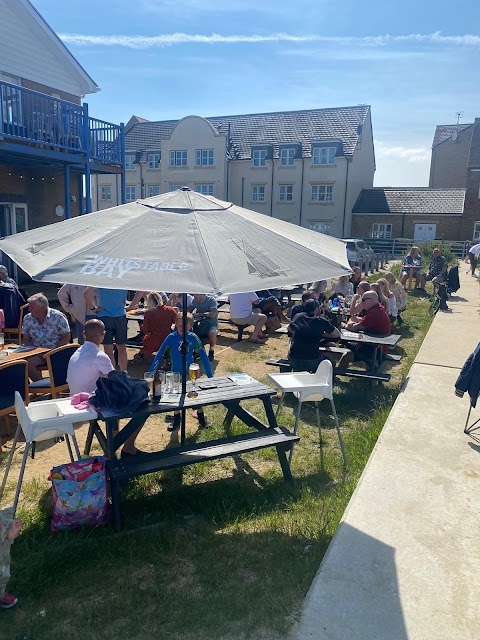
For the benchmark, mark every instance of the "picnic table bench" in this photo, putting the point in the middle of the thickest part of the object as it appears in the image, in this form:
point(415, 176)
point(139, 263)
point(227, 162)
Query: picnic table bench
point(223, 391)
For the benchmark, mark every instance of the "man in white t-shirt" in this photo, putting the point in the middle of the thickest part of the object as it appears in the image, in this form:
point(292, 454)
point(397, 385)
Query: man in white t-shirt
point(87, 365)
point(241, 312)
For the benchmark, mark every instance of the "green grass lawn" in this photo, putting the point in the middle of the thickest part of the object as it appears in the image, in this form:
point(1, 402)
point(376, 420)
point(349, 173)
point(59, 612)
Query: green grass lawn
point(219, 550)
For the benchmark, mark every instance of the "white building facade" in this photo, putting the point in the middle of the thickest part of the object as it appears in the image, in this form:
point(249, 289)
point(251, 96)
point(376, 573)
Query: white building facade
point(305, 167)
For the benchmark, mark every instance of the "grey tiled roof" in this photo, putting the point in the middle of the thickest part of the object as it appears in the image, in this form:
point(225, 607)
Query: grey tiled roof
point(422, 200)
point(444, 131)
point(267, 128)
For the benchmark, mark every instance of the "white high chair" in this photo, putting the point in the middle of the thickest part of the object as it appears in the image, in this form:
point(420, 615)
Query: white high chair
point(309, 387)
point(44, 421)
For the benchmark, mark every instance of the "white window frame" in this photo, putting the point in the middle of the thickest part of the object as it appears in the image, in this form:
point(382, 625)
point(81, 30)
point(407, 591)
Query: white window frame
point(285, 192)
point(153, 161)
point(321, 227)
point(259, 158)
point(178, 158)
point(322, 192)
point(130, 162)
point(204, 157)
point(382, 230)
point(175, 187)
point(128, 190)
point(287, 156)
point(204, 189)
point(324, 156)
point(151, 188)
point(258, 193)
point(476, 231)
point(106, 192)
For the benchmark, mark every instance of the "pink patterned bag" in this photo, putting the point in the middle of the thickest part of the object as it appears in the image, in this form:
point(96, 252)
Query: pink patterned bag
point(80, 497)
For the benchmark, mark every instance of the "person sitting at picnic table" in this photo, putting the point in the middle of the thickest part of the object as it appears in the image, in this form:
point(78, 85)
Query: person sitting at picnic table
point(270, 305)
point(87, 365)
point(438, 268)
point(300, 308)
point(174, 343)
point(399, 293)
point(4, 277)
point(391, 306)
point(241, 313)
point(374, 321)
point(205, 315)
point(175, 300)
point(43, 327)
point(72, 299)
point(318, 288)
point(157, 324)
point(413, 265)
point(343, 287)
point(356, 308)
point(356, 278)
point(308, 332)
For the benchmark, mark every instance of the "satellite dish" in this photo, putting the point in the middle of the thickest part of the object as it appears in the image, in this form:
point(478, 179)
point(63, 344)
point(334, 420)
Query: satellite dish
point(454, 136)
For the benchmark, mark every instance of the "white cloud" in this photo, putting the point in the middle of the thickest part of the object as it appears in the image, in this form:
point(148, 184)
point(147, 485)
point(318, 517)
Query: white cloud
point(168, 39)
point(412, 155)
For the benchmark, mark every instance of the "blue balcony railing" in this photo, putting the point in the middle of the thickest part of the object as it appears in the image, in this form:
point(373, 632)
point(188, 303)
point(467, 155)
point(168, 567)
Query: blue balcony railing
point(38, 119)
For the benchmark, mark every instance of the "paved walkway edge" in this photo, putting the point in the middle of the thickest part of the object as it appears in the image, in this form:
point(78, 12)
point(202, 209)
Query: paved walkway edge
point(405, 559)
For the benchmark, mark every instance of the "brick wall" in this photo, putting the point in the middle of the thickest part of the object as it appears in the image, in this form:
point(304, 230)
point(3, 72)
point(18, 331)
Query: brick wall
point(42, 190)
point(448, 227)
point(471, 209)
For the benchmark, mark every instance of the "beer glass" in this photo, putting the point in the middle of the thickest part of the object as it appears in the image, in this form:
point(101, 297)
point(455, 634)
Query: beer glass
point(176, 383)
point(148, 377)
point(169, 382)
point(194, 374)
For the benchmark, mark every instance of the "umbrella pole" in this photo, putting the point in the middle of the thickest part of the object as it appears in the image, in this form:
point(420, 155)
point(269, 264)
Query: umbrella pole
point(184, 365)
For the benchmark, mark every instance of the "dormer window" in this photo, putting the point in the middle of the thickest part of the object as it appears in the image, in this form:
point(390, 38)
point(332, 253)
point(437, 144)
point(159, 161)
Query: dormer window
point(287, 156)
point(324, 155)
point(259, 157)
point(129, 161)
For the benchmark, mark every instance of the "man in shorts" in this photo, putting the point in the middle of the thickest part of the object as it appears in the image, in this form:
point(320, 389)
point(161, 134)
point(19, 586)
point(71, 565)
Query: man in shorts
point(241, 312)
point(110, 309)
point(205, 314)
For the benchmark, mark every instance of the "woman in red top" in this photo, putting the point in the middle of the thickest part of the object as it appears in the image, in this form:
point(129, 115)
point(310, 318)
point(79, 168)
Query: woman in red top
point(156, 326)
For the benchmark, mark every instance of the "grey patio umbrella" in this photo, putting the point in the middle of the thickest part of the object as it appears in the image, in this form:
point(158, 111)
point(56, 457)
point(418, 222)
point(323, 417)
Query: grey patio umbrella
point(179, 241)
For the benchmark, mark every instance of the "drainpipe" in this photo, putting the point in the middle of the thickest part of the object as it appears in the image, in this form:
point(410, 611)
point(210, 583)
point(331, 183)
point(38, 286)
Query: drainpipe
point(345, 199)
point(142, 187)
point(301, 192)
point(271, 188)
point(66, 190)
point(122, 158)
point(86, 144)
point(243, 185)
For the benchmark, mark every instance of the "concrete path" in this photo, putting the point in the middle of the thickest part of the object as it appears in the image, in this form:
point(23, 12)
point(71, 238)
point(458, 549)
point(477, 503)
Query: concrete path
point(405, 560)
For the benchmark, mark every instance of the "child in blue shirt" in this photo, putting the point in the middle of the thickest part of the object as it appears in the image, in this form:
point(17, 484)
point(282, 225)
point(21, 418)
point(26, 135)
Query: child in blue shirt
point(174, 342)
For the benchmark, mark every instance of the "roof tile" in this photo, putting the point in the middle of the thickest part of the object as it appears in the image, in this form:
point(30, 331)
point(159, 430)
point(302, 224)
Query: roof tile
point(400, 200)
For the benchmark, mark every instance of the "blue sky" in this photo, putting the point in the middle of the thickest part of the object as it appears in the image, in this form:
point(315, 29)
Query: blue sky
point(415, 62)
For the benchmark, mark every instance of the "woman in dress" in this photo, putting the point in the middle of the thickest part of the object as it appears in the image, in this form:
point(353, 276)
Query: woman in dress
point(399, 293)
point(391, 299)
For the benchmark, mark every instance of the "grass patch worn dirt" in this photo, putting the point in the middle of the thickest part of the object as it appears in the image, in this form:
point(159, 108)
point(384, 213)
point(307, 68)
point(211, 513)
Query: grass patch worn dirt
point(214, 551)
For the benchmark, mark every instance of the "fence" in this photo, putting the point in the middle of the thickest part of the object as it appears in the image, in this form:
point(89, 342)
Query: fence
point(399, 247)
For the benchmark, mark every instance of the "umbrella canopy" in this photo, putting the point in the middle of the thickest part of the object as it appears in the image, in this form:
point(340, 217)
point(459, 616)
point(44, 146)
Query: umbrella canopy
point(178, 241)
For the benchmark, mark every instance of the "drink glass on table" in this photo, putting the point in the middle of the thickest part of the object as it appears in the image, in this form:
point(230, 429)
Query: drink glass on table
point(2, 341)
point(149, 377)
point(194, 374)
point(169, 382)
point(176, 383)
point(158, 383)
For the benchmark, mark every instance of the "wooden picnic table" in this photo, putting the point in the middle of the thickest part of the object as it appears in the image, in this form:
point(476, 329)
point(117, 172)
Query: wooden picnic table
point(211, 391)
point(376, 341)
point(16, 352)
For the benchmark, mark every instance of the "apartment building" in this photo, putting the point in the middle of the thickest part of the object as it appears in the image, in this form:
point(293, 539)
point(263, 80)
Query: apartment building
point(305, 167)
point(450, 151)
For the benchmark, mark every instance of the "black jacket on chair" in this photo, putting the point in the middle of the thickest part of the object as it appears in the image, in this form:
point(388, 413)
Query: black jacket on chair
point(469, 378)
point(118, 391)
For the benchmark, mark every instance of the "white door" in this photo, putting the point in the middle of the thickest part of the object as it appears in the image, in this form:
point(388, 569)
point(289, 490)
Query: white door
point(424, 232)
point(13, 219)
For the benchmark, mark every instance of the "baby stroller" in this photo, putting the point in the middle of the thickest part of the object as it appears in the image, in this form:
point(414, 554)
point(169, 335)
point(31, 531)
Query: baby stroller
point(453, 281)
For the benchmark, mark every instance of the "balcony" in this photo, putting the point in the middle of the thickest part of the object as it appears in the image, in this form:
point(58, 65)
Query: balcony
point(38, 120)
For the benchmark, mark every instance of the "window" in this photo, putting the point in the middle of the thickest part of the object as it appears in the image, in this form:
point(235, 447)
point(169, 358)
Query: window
point(154, 161)
point(287, 157)
point(153, 190)
point(321, 227)
point(204, 157)
point(258, 193)
point(322, 193)
point(259, 157)
point(178, 158)
point(130, 162)
point(106, 192)
point(285, 193)
point(476, 231)
point(324, 155)
point(130, 192)
point(204, 189)
point(174, 187)
point(380, 230)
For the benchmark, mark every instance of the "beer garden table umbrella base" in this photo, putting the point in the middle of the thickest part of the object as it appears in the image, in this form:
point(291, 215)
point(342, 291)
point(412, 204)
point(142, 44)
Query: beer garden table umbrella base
point(206, 246)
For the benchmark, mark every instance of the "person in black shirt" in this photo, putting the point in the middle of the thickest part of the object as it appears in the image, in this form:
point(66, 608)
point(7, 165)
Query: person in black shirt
point(307, 332)
point(299, 308)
